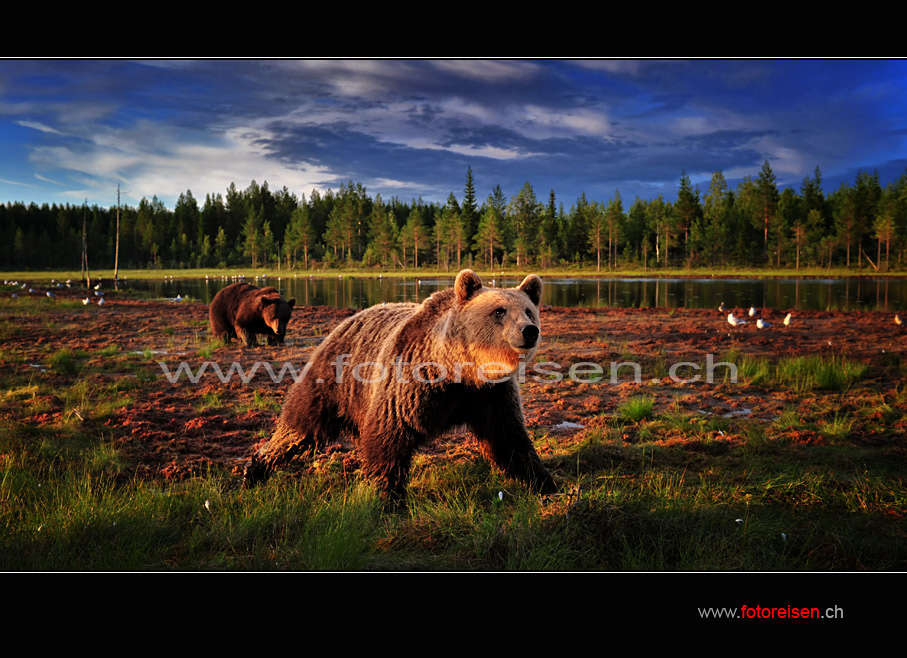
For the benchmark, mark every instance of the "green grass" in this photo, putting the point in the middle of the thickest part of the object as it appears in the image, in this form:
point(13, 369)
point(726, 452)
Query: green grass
point(837, 428)
point(637, 408)
point(816, 372)
point(800, 373)
point(110, 350)
point(211, 400)
point(71, 520)
point(64, 362)
point(639, 508)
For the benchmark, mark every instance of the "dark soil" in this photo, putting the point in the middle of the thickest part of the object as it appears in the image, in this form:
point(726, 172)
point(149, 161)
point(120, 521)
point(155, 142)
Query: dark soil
point(177, 429)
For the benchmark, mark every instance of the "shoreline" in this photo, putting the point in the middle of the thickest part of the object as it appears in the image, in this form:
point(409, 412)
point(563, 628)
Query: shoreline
point(238, 273)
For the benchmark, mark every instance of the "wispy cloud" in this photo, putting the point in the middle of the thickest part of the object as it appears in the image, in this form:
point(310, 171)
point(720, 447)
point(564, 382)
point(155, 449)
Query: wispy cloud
point(47, 180)
point(16, 183)
point(39, 126)
point(413, 126)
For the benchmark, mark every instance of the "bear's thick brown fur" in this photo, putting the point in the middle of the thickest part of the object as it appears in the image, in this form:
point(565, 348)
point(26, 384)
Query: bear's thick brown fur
point(245, 311)
point(397, 375)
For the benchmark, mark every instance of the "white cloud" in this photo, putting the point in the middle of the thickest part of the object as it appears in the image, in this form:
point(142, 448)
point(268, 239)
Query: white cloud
point(39, 126)
point(544, 122)
point(632, 67)
point(485, 70)
point(152, 161)
point(47, 180)
point(492, 152)
point(6, 181)
point(784, 160)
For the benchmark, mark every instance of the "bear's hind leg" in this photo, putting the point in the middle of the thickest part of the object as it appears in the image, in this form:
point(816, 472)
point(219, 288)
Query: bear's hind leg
point(284, 444)
point(306, 420)
point(386, 458)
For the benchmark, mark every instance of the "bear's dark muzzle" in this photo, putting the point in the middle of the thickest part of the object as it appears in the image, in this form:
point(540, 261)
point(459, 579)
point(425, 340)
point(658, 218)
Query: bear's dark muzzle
point(530, 335)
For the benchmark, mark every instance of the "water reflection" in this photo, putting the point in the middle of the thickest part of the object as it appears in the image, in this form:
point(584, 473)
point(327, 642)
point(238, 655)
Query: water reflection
point(361, 292)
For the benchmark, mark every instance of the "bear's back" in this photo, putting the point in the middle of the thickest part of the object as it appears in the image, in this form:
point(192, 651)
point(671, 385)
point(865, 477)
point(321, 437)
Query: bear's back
point(364, 335)
point(223, 308)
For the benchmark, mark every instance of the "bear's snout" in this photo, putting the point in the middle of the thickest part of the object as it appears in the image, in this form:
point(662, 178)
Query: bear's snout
point(530, 335)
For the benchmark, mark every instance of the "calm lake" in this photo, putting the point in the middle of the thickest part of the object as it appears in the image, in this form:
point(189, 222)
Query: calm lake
point(781, 294)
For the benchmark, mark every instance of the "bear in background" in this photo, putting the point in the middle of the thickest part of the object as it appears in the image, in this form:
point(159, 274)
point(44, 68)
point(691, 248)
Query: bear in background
point(244, 311)
point(395, 376)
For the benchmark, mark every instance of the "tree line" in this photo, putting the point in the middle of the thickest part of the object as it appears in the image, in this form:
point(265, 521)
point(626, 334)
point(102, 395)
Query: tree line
point(754, 224)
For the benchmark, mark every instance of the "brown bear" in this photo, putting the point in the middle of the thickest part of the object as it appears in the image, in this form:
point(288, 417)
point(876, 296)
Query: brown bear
point(396, 375)
point(245, 311)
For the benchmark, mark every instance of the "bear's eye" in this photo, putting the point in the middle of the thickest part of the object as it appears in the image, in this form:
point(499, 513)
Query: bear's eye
point(500, 312)
point(529, 314)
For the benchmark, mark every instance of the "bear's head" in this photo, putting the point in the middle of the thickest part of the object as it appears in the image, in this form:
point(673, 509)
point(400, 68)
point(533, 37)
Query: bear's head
point(496, 326)
point(276, 314)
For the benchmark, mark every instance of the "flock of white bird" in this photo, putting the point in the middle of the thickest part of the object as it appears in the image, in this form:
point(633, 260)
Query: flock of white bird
point(761, 323)
point(57, 284)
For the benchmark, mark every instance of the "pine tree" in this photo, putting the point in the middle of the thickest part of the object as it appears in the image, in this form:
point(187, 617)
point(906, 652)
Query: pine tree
point(657, 218)
point(578, 228)
point(300, 234)
point(267, 242)
point(768, 203)
point(846, 221)
point(550, 232)
point(636, 233)
point(489, 235)
point(414, 233)
point(454, 231)
point(884, 226)
point(597, 224)
point(523, 216)
point(469, 212)
point(336, 230)
point(614, 219)
point(383, 233)
point(220, 247)
point(686, 210)
point(252, 236)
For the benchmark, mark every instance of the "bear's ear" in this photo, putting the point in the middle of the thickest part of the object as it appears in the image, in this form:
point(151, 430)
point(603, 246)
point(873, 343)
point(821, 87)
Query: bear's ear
point(267, 300)
point(532, 286)
point(291, 302)
point(468, 284)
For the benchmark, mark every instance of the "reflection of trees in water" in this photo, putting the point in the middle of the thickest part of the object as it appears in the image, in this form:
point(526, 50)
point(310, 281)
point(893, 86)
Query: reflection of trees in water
point(360, 292)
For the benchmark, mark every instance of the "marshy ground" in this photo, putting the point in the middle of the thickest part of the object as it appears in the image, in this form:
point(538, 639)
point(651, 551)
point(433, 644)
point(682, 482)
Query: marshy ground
point(787, 454)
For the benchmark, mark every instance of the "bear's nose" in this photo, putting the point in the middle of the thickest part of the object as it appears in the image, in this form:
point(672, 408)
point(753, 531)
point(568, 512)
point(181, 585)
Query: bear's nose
point(530, 334)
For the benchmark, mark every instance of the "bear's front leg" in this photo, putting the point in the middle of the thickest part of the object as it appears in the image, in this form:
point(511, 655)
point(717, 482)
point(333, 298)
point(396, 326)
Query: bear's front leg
point(498, 425)
point(246, 337)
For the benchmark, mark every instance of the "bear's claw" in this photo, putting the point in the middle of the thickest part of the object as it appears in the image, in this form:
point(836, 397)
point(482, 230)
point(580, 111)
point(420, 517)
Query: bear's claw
point(255, 473)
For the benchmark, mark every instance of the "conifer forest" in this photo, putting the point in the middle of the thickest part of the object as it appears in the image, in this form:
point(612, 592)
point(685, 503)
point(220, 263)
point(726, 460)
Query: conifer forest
point(753, 224)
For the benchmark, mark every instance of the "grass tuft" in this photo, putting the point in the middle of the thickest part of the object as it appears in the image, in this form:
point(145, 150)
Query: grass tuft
point(637, 408)
point(64, 362)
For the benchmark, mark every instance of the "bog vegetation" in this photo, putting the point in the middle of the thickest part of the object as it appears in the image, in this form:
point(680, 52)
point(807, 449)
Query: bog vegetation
point(661, 480)
point(859, 225)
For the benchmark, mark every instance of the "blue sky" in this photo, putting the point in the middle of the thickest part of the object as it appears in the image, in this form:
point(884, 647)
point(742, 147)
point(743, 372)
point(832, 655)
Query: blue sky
point(72, 130)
